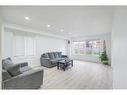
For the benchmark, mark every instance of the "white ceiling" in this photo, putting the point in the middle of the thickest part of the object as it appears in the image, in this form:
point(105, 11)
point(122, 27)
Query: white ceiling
point(77, 21)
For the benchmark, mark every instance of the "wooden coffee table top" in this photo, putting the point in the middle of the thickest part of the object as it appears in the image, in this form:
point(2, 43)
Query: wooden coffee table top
point(65, 61)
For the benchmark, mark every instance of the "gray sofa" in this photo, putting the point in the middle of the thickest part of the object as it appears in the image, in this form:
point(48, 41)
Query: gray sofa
point(50, 59)
point(20, 76)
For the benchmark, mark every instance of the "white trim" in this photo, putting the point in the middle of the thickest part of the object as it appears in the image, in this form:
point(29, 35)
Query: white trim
point(1, 51)
point(2, 41)
point(26, 29)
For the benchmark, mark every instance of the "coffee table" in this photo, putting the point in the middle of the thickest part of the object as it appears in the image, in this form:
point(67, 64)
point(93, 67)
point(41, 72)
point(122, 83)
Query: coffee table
point(64, 64)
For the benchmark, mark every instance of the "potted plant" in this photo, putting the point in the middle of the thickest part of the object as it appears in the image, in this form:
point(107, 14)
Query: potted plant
point(103, 55)
point(104, 58)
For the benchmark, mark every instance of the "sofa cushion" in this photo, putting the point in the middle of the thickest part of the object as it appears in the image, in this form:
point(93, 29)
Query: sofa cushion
point(51, 55)
point(10, 67)
point(55, 60)
point(45, 55)
point(14, 69)
point(56, 55)
point(6, 63)
point(26, 68)
point(59, 54)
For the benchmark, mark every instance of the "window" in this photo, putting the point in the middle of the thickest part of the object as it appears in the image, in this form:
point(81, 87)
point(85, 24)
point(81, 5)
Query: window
point(79, 47)
point(29, 46)
point(76, 47)
point(18, 45)
point(24, 45)
point(88, 47)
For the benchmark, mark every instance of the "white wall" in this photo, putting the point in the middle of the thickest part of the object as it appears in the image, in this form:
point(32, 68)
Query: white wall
point(106, 37)
point(1, 39)
point(0, 53)
point(49, 44)
point(43, 44)
point(119, 48)
point(8, 44)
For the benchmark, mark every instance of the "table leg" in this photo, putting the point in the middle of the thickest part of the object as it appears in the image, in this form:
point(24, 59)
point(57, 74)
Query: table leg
point(64, 67)
point(72, 63)
point(57, 65)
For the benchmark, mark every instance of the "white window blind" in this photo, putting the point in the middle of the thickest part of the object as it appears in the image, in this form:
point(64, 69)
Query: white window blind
point(19, 46)
point(24, 45)
point(29, 46)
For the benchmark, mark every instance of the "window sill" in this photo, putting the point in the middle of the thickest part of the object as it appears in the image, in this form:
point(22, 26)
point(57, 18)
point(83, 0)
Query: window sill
point(87, 55)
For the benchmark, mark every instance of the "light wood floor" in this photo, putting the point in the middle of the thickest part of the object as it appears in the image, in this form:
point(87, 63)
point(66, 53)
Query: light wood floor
point(83, 75)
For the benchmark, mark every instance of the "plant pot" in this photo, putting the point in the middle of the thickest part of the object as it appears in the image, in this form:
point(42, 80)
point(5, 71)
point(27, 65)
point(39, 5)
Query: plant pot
point(105, 62)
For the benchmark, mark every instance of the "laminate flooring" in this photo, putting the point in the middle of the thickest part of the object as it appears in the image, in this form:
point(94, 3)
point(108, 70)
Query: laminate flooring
point(83, 75)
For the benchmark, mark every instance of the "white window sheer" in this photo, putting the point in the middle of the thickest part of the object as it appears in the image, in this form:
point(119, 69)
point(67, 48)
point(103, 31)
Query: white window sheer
point(24, 45)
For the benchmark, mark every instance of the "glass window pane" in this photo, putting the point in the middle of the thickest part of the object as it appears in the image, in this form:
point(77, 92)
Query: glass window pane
point(88, 47)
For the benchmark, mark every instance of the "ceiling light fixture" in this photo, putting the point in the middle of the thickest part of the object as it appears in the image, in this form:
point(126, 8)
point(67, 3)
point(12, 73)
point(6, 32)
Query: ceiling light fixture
point(27, 18)
point(48, 25)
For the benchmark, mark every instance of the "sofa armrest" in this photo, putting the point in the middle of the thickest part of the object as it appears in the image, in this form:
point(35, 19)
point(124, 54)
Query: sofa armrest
point(45, 60)
point(29, 79)
point(14, 70)
point(5, 75)
point(29, 72)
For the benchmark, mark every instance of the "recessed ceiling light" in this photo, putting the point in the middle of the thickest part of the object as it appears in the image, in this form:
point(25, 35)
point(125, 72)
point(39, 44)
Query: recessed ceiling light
point(61, 30)
point(48, 25)
point(27, 18)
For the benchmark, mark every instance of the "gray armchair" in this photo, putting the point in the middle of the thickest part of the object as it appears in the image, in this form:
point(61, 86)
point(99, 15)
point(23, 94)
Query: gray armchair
point(50, 59)
point(20, 76)
point(31, 79)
